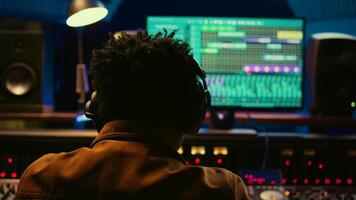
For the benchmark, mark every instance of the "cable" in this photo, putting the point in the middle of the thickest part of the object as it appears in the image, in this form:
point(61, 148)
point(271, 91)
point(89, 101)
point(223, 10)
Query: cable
point(265, 156)
point(260, 129)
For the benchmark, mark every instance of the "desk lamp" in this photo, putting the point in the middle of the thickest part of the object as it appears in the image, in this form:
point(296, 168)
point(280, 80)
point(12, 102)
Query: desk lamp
point(82, 13)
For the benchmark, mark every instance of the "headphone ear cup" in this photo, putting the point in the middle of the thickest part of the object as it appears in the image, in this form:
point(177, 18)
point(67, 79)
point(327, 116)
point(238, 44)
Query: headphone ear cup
point(207, 98)
point(197, 114)
point(203, 98)
point(88, 113)
point(92, 112)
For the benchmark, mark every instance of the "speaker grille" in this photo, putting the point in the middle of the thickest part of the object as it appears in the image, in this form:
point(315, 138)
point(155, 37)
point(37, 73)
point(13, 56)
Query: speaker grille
point(19, 79)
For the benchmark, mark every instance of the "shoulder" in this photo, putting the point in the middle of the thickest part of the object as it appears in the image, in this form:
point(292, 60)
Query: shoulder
point(222, 179)
point(230, 177)
point(39, 177)
point(32, 184)
point(234, 183)
point(239, 190)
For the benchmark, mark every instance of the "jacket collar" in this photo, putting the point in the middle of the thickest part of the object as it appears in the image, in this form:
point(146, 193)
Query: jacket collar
point(127, 131)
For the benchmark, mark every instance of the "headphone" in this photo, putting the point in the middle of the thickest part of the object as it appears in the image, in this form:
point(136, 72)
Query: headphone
point(92, 105)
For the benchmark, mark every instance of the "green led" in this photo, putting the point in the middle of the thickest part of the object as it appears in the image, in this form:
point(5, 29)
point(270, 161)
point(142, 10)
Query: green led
point(353, 104)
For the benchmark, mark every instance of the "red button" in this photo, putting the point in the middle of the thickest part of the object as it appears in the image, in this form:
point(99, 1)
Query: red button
point(321, 166)
point(10, 160)
point(317, 181)
point(295, 181)
point(284, 180)
point(338, 181)
point(309, 163)
point(349, 181)
point(13, 174)
point(2, 174)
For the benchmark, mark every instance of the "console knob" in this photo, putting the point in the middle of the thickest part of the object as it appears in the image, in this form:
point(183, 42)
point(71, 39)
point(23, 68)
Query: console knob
point(271, 195)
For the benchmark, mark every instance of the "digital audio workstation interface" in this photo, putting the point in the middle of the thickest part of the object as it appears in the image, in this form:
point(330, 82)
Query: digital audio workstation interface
point(250, 62)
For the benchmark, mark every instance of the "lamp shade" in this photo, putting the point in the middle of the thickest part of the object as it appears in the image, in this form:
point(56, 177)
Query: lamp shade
point(85, 12)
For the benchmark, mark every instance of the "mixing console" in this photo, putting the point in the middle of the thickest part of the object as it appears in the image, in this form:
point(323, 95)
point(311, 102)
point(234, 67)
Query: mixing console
point(8, 188)
point(298, 167)
point(301, 192)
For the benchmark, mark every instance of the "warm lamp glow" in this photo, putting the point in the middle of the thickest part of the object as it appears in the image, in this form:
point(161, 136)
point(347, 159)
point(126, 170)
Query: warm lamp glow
point(87, 16)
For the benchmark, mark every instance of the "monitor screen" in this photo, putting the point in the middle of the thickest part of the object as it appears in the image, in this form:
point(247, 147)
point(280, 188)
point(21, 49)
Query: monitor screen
point(250, 62)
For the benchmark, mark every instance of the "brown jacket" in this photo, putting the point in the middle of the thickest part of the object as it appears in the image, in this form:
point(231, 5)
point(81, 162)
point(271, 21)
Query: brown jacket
point(121, 167)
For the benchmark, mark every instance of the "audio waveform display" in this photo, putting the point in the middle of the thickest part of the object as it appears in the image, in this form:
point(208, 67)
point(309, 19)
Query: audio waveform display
point(250, 62)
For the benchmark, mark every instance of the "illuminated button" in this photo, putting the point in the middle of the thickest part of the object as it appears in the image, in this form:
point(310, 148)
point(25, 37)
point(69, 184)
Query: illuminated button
point(197, 161)
point(309, 152)
point(295, 181)
point(287, 163)
point(321, 166)
point(10, 160)
point(306, 181)
point(309, 163)
point(271, 195)
point(284, 180)
point(349, 181)
point(327, 181)
point(261, 181)
point(287, 152)
point(197, 150)
point(220, 151)
point(2, 174)
point(13, 174)
point(180, 150)
point(317, 181)
point(219, 161)
point(338, 181)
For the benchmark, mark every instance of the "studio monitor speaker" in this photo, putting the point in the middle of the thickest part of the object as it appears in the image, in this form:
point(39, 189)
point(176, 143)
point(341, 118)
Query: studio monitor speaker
point(331, 60)
point(22, 72)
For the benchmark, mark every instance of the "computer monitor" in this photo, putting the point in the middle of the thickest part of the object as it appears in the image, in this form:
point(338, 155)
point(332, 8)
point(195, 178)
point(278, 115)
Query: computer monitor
point(250, 62)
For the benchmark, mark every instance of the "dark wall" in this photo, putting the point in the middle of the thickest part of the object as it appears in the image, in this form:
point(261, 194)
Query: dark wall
point(131, 15)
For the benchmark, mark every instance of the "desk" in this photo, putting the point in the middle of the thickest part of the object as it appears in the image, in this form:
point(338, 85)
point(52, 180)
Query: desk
point(241, 117)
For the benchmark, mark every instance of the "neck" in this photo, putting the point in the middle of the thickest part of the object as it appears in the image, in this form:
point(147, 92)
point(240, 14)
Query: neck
point(161, 134)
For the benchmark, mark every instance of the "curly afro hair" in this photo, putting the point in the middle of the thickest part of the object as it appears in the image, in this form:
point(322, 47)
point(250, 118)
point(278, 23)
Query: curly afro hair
point(146, 77)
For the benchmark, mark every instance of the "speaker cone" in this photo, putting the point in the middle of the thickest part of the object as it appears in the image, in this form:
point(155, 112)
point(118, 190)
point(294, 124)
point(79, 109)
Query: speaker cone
point(19, 79)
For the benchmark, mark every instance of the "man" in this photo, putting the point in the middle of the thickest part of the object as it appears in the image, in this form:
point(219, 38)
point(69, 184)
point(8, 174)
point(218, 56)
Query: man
point(149, 92)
